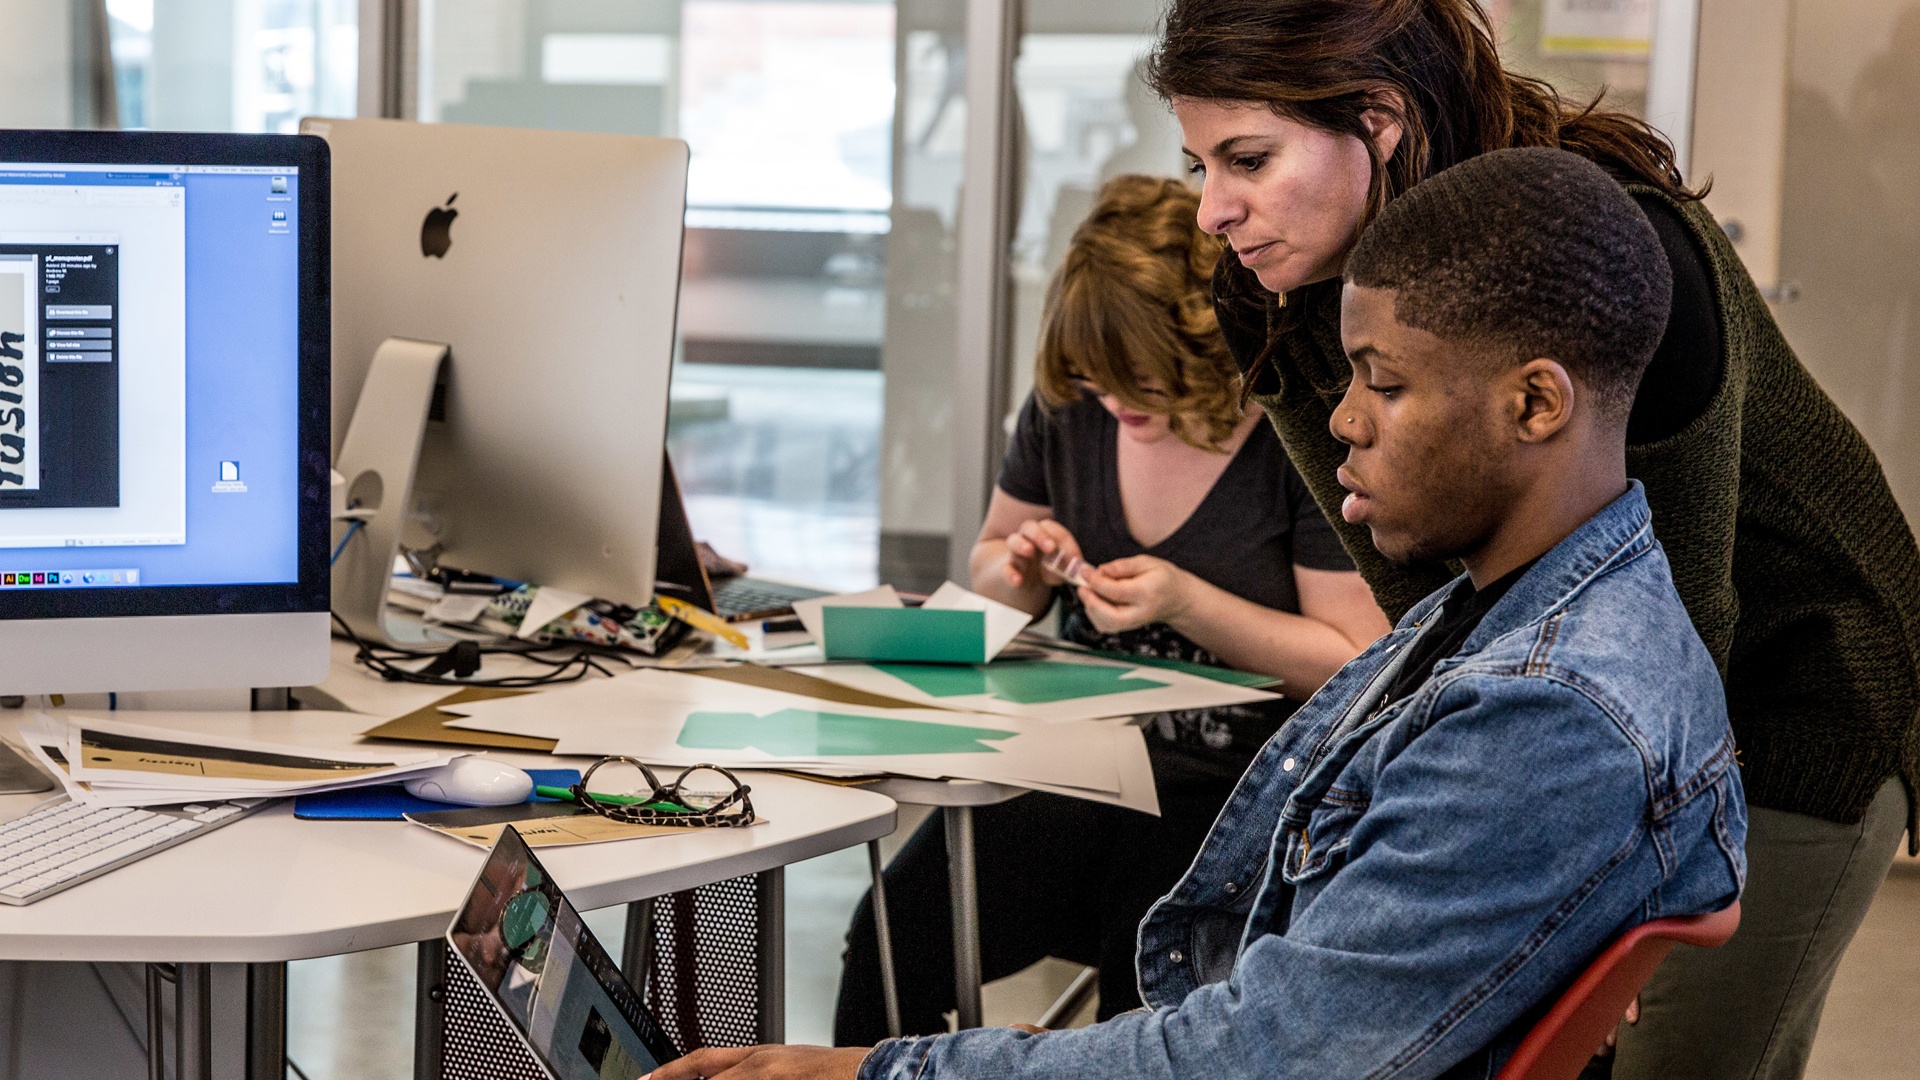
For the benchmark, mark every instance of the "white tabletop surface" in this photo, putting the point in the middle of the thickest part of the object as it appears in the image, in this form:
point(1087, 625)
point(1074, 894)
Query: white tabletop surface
point(272, 887)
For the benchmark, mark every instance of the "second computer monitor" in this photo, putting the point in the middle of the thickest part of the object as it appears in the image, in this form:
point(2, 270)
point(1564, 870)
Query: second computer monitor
point(550, 262)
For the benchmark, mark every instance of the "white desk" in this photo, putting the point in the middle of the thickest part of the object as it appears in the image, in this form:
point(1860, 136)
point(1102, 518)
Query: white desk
point(356, 689)
point(272, 888)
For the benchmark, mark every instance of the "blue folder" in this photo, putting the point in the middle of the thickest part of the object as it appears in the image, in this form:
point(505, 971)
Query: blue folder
point(390, 802)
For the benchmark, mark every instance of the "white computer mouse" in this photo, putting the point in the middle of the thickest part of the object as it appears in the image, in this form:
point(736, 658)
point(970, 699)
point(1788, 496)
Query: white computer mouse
point(472, 781)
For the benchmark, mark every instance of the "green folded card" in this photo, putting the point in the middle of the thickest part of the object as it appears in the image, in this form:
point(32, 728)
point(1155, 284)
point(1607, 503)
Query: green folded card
point(920, 634)
point(954, 626)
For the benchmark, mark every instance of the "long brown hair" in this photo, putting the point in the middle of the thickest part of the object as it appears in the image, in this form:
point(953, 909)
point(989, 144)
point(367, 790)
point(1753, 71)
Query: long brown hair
point(1431, 64)
point(1131, 305)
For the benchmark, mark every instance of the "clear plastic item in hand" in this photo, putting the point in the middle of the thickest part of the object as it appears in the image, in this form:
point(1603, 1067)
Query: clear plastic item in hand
point(1070, 567)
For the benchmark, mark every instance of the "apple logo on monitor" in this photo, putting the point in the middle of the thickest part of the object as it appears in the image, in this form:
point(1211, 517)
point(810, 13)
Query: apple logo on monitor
point(436, 233)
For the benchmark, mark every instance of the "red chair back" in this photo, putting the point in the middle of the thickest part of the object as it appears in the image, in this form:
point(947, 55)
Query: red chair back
point(1564, 1040)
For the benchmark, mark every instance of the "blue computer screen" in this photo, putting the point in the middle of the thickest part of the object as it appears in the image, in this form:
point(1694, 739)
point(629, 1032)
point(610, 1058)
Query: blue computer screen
point(149, 375)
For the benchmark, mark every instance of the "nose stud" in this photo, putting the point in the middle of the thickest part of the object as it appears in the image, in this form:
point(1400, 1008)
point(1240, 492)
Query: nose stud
point(1349, 419)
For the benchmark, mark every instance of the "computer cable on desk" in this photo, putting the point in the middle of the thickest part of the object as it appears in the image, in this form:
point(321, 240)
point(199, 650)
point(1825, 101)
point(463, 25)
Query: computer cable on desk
point(356, 525)
point(456, 665)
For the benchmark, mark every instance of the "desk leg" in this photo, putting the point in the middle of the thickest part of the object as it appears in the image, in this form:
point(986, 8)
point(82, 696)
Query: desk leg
point(193, 1022)
point(966, 915)
point(770, 901)
point(637, 947)
point(266, 1021)
point(430, 1009)
point(157, 978)
point(883, 932)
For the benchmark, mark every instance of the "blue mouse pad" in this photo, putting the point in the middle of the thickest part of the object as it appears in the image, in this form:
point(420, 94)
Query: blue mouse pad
point(390, 802)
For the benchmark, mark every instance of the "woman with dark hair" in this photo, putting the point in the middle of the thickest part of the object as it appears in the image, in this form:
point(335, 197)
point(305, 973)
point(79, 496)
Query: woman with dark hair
point(1306, 118)
point(1135, 456)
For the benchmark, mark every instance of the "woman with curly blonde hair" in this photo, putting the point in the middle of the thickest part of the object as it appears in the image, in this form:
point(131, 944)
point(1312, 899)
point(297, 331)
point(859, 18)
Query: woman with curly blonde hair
point(1136, 470)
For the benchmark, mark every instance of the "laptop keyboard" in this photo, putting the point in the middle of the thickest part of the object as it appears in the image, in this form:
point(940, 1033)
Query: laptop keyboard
point(58, 847)
point(741, 597)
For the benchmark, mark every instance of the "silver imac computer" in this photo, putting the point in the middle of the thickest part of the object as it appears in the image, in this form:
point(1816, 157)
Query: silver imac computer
point(163, 411)
point(549, 265)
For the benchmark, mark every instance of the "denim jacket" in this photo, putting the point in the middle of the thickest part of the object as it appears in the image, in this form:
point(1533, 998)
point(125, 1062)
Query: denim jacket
point(1397, 892)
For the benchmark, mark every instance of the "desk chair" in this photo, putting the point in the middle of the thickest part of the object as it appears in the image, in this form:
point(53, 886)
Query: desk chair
point(1563, 1041)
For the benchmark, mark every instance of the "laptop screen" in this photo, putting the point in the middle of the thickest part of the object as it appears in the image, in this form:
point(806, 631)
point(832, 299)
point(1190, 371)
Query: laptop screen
point(547, 972)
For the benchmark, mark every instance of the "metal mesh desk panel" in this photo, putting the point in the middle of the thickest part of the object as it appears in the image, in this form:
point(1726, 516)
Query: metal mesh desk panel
point(710, 971)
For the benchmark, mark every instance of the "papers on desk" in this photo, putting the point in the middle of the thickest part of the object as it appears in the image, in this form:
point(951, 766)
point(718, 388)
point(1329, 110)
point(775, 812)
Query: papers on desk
point(675, 719)
point(1063, 686)
point(954, 626)
point(120, 759)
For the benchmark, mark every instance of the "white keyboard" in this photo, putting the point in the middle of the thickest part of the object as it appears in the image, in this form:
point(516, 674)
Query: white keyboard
point(60, 846)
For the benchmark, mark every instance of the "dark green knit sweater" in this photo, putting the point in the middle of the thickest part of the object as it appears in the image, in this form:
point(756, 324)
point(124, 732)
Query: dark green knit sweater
point(1788, 549)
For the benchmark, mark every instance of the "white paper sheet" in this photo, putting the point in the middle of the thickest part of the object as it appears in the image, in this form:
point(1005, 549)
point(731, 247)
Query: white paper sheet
point(1004, 623)
point(548, 604)
point(1136, 773)
point(459, 608)
point(63, 731)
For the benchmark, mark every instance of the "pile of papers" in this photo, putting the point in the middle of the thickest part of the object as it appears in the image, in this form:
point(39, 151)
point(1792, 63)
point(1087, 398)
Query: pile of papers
point(105, 760)
point(675, 719)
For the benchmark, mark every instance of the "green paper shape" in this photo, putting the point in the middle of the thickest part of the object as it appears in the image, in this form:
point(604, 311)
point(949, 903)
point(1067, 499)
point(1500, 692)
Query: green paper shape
point(1023, 682)
point(1230, 676)
point(805, 733)
point(918, 634)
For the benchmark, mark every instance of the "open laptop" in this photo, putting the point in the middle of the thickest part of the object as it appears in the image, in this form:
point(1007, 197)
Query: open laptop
point(678, 571)
point(548, 976)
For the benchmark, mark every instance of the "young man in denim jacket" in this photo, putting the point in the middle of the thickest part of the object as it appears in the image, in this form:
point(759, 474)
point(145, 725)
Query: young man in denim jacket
point(1535, 760)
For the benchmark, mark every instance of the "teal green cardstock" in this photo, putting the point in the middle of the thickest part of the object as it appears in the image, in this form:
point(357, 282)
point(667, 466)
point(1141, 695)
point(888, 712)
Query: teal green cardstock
point(915, 634)
point(805, 733)
point(1229, 676)
point(1023, 682)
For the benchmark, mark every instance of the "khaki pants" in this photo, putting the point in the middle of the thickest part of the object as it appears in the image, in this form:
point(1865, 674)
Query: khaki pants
point(1749, 1010)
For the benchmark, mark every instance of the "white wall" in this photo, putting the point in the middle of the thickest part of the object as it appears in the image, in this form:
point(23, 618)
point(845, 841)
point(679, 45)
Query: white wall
point(1849, 242)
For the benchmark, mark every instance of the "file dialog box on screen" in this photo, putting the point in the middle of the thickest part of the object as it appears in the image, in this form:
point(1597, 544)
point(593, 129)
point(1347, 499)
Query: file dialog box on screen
point(93, 371)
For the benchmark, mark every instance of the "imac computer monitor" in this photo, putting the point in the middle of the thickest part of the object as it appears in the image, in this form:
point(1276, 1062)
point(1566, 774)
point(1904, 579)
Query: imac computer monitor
point(163, 411)
point(550, 263)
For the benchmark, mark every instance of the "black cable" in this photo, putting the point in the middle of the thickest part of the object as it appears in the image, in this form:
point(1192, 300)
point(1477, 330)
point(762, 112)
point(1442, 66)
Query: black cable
point(580, 659)
point(297, 1070)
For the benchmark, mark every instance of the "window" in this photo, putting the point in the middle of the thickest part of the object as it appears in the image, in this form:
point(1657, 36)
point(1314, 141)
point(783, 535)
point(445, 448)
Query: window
point(233, 65)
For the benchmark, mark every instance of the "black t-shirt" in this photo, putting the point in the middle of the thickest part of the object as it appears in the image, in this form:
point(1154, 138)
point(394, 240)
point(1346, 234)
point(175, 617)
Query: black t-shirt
point(1253, 527)
point(1455, 621)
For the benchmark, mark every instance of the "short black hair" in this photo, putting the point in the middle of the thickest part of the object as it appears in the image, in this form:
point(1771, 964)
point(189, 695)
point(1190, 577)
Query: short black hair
point(1534, 252)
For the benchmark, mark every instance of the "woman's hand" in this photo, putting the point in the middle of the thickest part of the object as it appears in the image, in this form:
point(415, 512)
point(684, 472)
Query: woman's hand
point(1036, 542)
point(1132, 592)
point(765, 1063)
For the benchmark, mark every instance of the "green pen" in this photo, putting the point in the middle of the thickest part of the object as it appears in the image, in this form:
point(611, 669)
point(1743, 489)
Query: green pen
point(566, 795)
